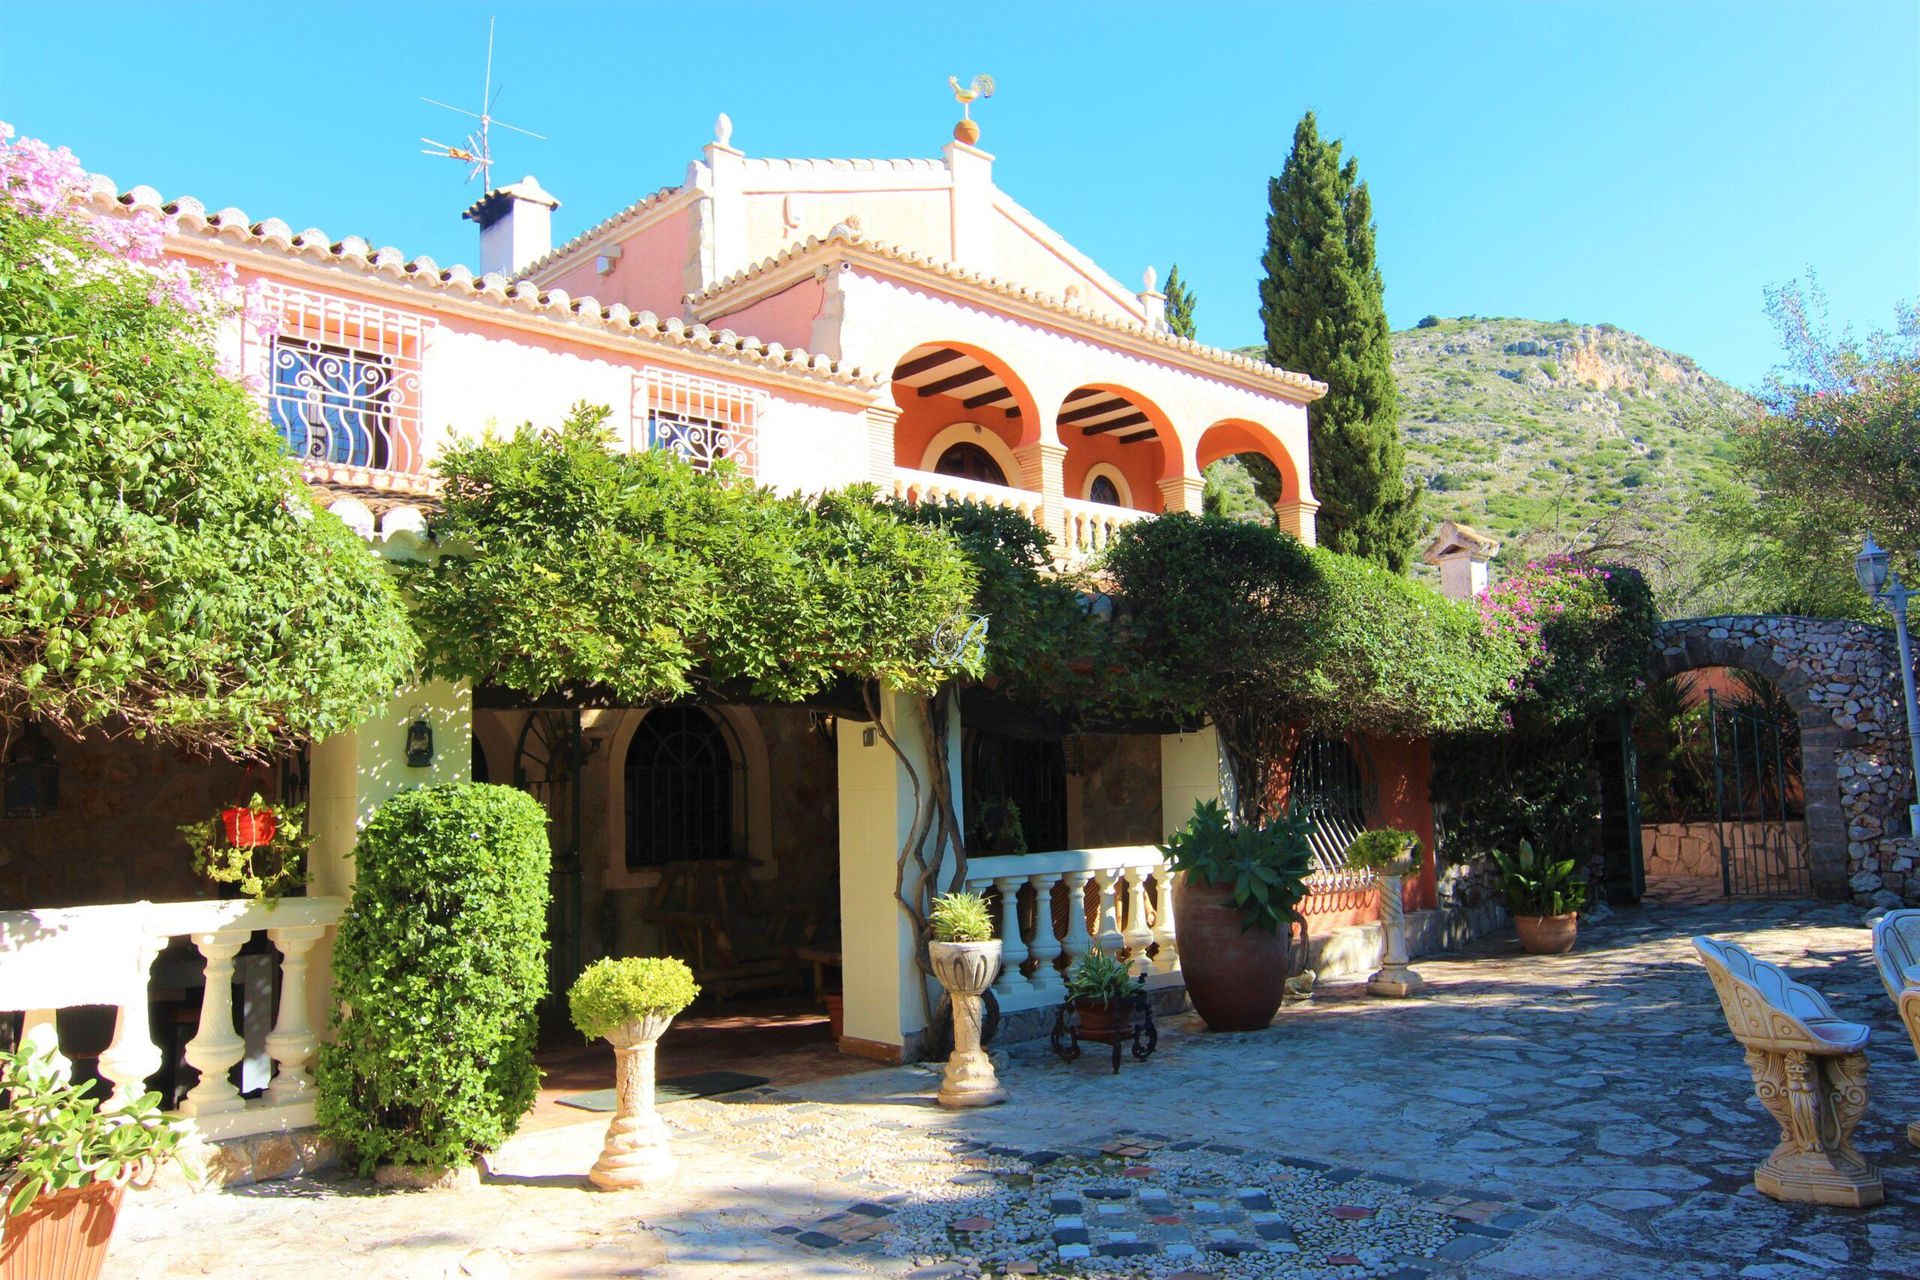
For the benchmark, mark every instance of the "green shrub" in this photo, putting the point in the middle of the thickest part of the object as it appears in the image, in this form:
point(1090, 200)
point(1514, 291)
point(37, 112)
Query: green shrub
point(1383, 850)
point(1099, 976)
point(438, 965)
point(54, 1136)
point(613, 992)
point(1264, 865)
point(961, 917)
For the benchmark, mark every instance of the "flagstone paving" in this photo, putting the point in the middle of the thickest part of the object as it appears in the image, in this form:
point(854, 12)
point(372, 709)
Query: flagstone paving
point(1584, 1117)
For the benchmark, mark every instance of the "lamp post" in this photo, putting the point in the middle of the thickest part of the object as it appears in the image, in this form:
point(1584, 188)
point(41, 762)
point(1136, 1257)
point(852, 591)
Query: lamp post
point(1871, 568)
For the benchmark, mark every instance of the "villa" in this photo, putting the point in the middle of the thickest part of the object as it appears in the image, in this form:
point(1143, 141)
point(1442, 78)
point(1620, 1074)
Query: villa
point(913, 328)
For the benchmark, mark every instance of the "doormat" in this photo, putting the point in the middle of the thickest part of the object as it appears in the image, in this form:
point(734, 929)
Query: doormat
point(674, 1089)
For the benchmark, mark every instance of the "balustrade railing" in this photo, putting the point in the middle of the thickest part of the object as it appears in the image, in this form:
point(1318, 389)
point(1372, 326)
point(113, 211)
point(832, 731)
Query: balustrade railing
point(1053, 908)
point(104, 956)
point(1088, 527)
point(929, 486)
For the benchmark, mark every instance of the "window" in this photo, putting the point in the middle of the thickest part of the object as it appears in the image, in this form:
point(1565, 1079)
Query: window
point(702, 420)
point(970, 462)
point(333, 403)
point(1326, 781)
point(1023, 775)
point(680, 789)
point(1103, 489)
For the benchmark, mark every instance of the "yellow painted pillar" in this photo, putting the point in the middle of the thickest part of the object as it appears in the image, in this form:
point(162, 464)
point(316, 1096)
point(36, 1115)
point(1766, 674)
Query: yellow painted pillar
point(1189, 773)
point(880, 973)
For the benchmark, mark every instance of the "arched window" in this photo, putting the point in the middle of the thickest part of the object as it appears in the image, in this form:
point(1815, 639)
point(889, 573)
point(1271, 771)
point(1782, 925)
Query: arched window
point(679, 789)
point(970, 462)
point(1103, 489)
point(1325, 780)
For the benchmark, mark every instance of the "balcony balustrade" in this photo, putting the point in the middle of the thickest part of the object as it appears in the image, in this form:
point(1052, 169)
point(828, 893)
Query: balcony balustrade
point(929, 486)
point(1088, 527)
point(104, 956)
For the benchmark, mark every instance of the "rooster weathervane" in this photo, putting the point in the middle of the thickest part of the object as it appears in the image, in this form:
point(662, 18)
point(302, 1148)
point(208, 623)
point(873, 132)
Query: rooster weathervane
point(982, 87)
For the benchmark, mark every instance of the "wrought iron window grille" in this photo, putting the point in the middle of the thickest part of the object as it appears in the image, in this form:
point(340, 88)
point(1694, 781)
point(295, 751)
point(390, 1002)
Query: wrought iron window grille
point(700, 419)
point(1326, 781)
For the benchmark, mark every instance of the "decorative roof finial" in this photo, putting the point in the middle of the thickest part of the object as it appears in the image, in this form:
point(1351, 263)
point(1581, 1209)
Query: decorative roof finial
point(982, 87)
point(1150, 278)
point(723, 129)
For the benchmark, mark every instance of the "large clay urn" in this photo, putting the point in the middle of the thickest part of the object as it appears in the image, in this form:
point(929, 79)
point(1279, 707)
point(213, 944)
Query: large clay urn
point(637, 1152)
point(62, 1235)
point(1235, 977)
point(966, 970)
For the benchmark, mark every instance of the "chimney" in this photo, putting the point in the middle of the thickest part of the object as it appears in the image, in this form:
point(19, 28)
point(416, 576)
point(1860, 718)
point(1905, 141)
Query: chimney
point(516, 226)
point(1462, 554)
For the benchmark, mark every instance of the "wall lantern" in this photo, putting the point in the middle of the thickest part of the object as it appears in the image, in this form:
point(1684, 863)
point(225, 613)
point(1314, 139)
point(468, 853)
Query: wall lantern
point(419, 744)
point(32, 776)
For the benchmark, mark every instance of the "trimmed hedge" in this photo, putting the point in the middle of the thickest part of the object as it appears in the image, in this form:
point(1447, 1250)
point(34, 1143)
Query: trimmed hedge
point(439, 963)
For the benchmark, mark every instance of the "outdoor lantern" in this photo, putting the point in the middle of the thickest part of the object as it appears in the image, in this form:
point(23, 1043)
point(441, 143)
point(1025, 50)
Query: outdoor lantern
point(32, 776)
point(1870, 566)
point(419, 744)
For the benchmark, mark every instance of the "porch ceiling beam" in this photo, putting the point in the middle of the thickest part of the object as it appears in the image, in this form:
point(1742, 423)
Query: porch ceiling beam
point(1137, 437)
point(1092, 411)
point(1083, 393)
point(921, 364)
point(961, 379)
point(987, 397)
point(1131, 420)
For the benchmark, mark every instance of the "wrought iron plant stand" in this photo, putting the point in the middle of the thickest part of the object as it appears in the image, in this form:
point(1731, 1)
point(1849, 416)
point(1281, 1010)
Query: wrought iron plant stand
point(1131, 1028)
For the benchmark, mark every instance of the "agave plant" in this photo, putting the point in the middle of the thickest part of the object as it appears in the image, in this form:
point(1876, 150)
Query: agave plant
point(1540, 886)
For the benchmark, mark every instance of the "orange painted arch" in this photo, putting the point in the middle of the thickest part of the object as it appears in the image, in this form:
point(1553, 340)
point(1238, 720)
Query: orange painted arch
point(1024, 430)
point(1236, 435)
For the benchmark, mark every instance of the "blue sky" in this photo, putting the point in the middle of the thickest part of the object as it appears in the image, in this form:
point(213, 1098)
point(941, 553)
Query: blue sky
point(1652, 165)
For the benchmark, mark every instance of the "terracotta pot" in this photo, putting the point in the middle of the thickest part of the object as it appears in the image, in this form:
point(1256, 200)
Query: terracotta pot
point(249, 828)
point(1235, 978)
point(1543, 935)
point(836, 1012)
point(1101, 1017)
point(62, 1236)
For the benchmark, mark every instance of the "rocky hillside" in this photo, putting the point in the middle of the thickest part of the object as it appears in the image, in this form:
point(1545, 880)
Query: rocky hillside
point(1546, 434)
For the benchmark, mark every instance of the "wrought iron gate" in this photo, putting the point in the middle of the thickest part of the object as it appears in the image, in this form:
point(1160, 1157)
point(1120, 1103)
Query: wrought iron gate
point(547, 765)
point(1762, 850)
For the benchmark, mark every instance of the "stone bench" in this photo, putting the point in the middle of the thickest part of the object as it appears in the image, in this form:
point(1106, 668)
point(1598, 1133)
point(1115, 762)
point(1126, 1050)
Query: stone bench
point(1810, 1071)
point(1896, 954)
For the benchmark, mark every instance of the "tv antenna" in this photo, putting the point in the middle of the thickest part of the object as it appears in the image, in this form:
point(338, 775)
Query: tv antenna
point(477, 154)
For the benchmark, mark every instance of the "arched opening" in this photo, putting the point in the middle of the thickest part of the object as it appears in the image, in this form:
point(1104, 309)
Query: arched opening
point(1118, 446)
point(1249, 473)
point(948, 393)
point(681, 783)
point(1721, 788)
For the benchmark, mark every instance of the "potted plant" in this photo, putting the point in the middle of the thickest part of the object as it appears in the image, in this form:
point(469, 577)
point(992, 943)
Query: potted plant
point(1101, 992)
point(260, 849)
point(1391, 855)
point(629, 1002)
point(1545, 897)
point(966, 960)
point(1233, 906)
point(64, 1163)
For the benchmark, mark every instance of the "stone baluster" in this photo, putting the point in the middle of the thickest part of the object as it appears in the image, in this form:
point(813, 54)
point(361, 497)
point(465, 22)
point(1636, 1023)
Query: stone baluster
point(1138, 936)
point(1078, 941)
point(1013, 950)
point(40, 1033)
point(131, 1056)
point(1048, 942)
point(291, 1041)
point(1167, 958)
point(1107, 935)
point(215, 1046)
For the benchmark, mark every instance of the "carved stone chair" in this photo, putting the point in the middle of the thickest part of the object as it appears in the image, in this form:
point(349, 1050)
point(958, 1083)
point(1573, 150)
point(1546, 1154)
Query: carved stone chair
point(1810, 1070)
point(1896, 953)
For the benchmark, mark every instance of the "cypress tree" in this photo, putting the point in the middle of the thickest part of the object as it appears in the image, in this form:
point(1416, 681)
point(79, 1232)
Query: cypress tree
point(1322, 305)
point(1180, 304)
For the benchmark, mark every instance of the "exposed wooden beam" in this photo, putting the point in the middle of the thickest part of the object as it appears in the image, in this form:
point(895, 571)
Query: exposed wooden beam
point(1083, 393)
point(1138, 437)
point(920, 364)
point(1092, 411)
point(1131, 420)
point(987, 397)
point(960, 379)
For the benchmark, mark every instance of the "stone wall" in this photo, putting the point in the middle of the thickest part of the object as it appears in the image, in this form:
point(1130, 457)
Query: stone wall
point(1693, 848)
point(114, 836)
point(1115, 798)
point(1843, 681)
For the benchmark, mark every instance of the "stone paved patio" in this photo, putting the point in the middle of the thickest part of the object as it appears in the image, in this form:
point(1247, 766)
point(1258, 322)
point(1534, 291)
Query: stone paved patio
point(1574, 1117)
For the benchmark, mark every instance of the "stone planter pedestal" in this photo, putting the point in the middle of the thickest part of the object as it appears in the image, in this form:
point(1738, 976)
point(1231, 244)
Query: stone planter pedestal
point(638, 1151)
point(1395, 978)
point(966, 970)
